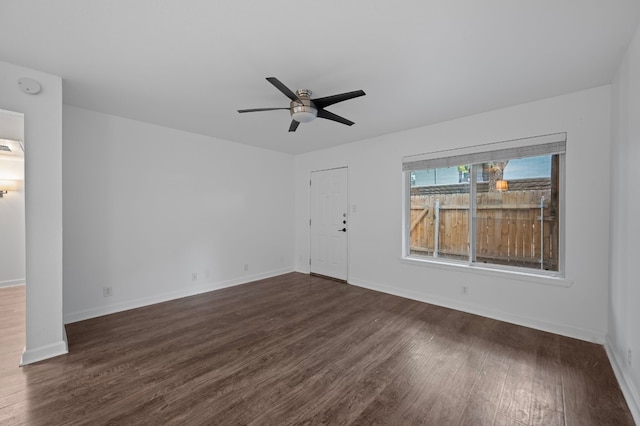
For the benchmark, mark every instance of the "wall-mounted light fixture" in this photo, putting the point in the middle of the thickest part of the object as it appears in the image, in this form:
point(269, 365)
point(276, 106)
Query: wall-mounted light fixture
point(7, 185)
point(502, 185)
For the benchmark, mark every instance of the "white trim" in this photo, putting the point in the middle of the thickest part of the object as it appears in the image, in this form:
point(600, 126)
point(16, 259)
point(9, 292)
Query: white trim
point(493, 271)
point(596, 336)
point(630, 392)
point(472, 249)
point(406, 214)
point(29, 356)
point(12, 283)
point(517, 148)
point(420, 161)
point(126, 305)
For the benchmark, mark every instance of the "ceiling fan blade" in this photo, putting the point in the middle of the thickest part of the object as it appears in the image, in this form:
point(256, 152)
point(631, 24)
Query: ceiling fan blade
point(294, 126)
point(259, 109)
point(284, 89)
point(333, 117)
point(334, 99)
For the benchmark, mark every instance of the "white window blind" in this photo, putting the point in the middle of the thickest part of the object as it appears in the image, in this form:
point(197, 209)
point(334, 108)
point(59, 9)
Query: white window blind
point(517, 148)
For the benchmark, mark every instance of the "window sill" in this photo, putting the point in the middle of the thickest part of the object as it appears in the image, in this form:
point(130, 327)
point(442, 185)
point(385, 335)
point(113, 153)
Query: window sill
point(477, 269)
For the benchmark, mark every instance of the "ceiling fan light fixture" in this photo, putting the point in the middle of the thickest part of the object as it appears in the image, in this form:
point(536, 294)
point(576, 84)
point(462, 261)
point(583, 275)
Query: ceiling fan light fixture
point(303, 113)
point(304, 109)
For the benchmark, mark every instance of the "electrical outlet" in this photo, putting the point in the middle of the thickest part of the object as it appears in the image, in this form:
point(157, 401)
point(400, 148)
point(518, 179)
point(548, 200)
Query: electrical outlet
point(107, 291)
point(194, 276)
point(629, 356)
point(465, 290)
point(246, 267)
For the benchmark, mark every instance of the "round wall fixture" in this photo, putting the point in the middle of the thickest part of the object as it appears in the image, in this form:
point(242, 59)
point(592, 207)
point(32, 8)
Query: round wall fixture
point(29, 86)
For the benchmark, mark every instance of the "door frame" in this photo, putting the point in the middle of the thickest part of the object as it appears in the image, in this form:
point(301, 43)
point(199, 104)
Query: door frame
point(348, 210)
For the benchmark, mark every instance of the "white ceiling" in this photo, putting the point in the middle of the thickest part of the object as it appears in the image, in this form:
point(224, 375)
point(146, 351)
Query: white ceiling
point(191, 64)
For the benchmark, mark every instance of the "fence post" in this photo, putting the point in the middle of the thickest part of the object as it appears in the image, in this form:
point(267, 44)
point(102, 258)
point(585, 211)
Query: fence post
point(437, 230)
point(542, 232)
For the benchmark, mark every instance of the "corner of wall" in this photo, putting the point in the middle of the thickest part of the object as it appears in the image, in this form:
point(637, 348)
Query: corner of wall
point(629, 390)
point(43, 201)
point(33, 355)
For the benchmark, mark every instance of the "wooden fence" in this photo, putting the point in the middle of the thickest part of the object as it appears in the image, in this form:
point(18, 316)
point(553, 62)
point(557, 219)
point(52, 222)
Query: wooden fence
point(511, 228)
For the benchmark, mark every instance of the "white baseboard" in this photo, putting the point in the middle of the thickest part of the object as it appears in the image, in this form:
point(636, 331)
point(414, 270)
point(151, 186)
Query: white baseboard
point(12, 283)
point(595, 336)
point(29, 356)
point(629, 390)
point(165, 297)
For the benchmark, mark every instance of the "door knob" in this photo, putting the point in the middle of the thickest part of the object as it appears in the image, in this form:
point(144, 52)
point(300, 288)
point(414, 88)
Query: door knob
point(342, 230)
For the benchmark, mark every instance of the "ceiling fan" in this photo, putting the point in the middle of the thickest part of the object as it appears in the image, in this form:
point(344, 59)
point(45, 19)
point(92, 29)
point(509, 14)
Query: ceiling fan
point(304, 109)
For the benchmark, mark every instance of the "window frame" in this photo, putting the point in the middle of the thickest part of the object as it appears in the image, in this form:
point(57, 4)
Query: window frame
point(470, 264)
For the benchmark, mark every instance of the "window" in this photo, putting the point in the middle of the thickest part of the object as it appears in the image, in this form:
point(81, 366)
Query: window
point(496, 205)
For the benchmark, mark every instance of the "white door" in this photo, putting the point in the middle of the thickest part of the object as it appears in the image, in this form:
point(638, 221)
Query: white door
point(329, 223)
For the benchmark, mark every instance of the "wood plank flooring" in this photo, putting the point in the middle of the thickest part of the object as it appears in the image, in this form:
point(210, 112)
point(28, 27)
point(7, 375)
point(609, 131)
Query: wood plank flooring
point(297, 349)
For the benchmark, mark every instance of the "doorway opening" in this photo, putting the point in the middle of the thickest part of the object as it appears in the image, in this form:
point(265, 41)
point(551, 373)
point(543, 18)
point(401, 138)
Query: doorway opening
point(12, 235)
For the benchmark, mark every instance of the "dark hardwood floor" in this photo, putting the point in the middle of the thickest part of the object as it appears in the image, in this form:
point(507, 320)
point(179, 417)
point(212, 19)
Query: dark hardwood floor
point(297, 349)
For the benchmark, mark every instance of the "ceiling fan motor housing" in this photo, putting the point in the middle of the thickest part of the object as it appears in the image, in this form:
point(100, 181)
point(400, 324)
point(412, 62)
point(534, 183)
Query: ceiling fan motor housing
point(303, 110)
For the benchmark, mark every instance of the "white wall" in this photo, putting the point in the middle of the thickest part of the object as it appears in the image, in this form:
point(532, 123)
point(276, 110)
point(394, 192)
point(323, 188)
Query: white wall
point(624, 302)
point(12, 237)
point(375, 232)
point(43, 206)
point(146, 206)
